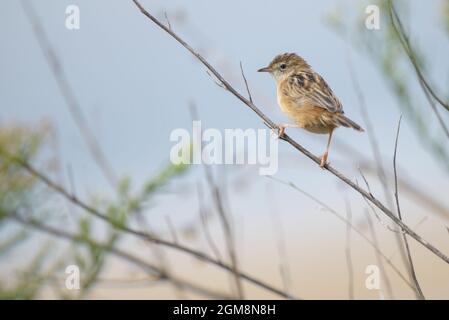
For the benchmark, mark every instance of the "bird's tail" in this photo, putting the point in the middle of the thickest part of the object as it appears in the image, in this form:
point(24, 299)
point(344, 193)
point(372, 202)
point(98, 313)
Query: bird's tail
point(348, 123)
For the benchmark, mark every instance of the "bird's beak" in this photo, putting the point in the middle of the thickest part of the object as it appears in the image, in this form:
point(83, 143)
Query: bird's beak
point(266, 69)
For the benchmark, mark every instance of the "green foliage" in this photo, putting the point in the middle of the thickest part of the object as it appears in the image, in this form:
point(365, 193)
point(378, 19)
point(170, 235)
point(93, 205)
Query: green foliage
point(119, 214)
point(384, 49)
point(445, 15)
point(18, 193)
point(15, 185)
point(12, 241)
point(152, 185)
point(28, 281)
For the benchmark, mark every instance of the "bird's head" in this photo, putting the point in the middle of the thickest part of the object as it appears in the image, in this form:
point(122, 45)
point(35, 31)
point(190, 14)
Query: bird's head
point(284, 65)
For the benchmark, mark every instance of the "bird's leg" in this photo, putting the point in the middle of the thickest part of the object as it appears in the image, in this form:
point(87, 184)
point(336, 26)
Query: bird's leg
point(281, 128)
point(323, 158)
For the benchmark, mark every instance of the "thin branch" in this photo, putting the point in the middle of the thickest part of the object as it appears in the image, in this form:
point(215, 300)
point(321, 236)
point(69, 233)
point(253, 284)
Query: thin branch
point(172, 229)
point(371, 137)
point(381, 222)
point(418, 195)
point(373, 209)
point(399, 29)
point(381, 172)
point(218, 83)
point(292, 142)
point(222, 214)
point(424, 86)
point(378, 257)
point(69, 95)
point(150, 269)
point(228, 233)
point(168, 20)
point(341, 218)
point(279, 234)
point(203, 217)
point(348, 252)
point(434, 108)
point(157, 251)
point(72, 187)
point(140, 234)
point(418, 290)
point(246, 83)
point(410, 187)
point(365, 180)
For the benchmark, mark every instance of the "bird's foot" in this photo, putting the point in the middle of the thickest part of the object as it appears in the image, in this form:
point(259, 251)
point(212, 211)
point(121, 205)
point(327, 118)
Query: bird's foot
point(281, 130)
point(323, 160)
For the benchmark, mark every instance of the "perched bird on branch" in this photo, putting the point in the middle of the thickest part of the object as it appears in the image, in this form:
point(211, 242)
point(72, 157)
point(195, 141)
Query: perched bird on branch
point(305, 97)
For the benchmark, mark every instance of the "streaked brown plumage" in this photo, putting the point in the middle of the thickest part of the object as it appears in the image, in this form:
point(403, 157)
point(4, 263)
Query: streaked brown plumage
point(306, 98)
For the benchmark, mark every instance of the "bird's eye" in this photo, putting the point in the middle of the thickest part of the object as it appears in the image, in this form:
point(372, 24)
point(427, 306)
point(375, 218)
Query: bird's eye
point(283, 66)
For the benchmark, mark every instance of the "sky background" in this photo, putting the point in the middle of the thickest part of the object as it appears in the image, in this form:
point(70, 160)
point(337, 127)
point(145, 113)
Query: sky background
point(135, 84)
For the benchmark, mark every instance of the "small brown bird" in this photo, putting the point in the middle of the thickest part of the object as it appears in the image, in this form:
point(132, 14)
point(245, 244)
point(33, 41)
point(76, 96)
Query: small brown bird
point(305, 97)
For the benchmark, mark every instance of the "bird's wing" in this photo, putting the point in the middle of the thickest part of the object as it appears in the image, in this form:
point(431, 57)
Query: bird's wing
point(310, 87)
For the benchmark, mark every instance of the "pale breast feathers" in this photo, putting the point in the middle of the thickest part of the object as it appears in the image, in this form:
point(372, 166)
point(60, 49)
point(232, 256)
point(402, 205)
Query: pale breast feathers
point(310, 88)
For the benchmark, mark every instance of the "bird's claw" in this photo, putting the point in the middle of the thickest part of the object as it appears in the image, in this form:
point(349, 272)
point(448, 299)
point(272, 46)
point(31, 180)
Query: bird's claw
point(281, 131)
point(323, 160)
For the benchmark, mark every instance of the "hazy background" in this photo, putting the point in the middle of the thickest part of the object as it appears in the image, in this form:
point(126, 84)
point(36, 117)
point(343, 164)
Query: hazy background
point(135, 84)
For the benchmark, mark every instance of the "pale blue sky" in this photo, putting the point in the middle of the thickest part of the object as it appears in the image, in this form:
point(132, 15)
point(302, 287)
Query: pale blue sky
point(134, 82)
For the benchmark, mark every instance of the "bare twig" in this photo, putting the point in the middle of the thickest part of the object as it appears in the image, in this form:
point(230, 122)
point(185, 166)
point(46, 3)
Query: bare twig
point(292, 142)
point(71, 179)
point(371, 137)
point(228, 233)
point(218, 83)
point(168, 20)
point(434, 108)
point(172, 229)
point(150, 269)
point(378, 257)
point(381, 172)
point(158, 252)
point(418, 290)
point(68, 94)
point(246, 83)
point(348, 252)
point(411, 55)
point(140, 234)
point(399, 29)
point(280, 241)
point(204, 223)
point(222, 214)
point(417, 195)
point(365, 180)
point(341, 218)
point(373, 209)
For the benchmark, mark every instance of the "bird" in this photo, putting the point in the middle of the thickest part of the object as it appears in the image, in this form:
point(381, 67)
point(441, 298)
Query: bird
point(305, 97)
